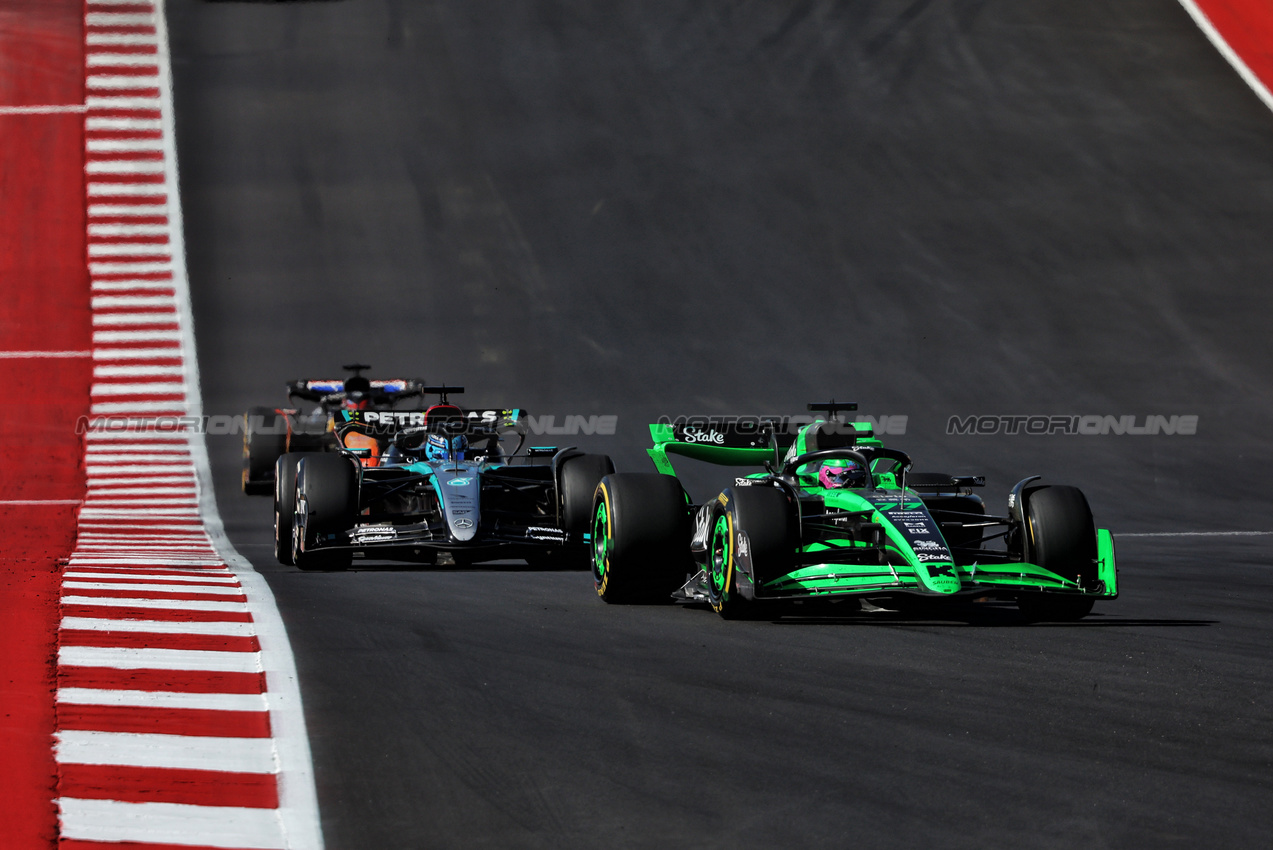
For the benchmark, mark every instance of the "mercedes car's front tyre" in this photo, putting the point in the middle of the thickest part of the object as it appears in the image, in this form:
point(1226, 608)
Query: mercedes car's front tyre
point(326, 506)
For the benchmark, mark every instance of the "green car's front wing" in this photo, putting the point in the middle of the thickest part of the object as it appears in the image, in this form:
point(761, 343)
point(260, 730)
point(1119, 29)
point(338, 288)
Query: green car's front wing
point(933, 579)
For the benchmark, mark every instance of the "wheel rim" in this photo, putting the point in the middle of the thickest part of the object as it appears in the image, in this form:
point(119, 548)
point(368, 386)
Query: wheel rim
point(722, 547)
point(601, 542)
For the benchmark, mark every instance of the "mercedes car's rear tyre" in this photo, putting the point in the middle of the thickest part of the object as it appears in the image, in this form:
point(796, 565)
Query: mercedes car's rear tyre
point(577, 480)
point(264, 441)
point(640, 537)
point(326, 507)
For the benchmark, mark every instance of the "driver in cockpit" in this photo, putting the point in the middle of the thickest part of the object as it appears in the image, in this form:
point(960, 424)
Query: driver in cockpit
point(838, 474)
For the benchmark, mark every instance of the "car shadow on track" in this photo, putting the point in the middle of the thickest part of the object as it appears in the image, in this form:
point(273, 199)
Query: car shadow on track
point(974, 616)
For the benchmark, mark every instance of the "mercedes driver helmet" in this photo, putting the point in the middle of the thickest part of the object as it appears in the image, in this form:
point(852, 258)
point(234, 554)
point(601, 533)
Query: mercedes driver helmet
point(443, 447)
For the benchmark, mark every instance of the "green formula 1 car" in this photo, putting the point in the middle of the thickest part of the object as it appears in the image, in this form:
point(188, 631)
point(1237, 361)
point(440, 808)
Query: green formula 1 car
point(837, 515)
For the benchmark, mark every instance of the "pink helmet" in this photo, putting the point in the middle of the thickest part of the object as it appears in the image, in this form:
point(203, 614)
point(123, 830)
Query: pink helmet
point(836, 474)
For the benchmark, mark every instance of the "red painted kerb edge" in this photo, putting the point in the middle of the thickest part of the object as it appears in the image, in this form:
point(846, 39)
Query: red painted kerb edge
point(44, 337)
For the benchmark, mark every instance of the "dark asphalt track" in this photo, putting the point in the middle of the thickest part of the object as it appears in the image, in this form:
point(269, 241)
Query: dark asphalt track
point(934, 207)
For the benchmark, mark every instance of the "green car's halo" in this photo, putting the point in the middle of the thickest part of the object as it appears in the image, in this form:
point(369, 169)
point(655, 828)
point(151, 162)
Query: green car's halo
point(837, 514)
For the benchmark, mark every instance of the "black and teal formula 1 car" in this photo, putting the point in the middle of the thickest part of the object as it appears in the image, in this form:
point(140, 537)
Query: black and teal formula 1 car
point(898, 539)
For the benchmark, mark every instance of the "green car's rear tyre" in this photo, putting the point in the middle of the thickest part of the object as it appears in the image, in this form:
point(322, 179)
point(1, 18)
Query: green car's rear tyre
point(640, 537)
point(264, 441)
point(1061, 537)
point(326, 504)
point(767, 517)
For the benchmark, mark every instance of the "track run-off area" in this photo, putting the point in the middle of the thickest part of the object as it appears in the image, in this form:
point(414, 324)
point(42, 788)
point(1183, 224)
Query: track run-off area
point(1019, 208)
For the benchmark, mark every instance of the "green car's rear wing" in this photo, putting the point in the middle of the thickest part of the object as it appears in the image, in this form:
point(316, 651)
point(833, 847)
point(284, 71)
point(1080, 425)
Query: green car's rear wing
point(735, 443)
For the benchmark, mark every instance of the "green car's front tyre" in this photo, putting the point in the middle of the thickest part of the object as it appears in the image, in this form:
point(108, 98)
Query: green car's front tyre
point(766, 517)
point(640, 538)
point(1061, 537)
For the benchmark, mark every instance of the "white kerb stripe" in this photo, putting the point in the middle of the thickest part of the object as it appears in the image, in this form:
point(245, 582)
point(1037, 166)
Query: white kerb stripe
point(152, 388)
point(163, 604)
point(122, 166)
point(116, 60)
point(103, 302)
point(167, 627)
point(151, 588)
point(147, 658)
point(162, 699)
point(120, 83)
point(119, 19)
point(127, 230)
point(246, 755)
point(171, 823)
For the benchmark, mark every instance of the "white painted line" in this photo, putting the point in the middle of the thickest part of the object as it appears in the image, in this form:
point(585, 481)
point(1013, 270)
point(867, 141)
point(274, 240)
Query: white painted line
point(124, 166)
point(147, 105)
point(152, 190)
point(136, 60)
point(119, 19)
point(134, 336)
point(32, 355)
point(39, 501)
point(127, 249)
point(51, 109)
point(167, 627)
point(150, 588)
point(107, 439)
point(95, 469)
point(171, 824)
point(136, 354)
point(120, 82)
point(246, 755)
point(148, 658)
point(105, 267)
point(102, 302)
point(155, 388)
point(121, 285)
point(92, 3)
point(132, 450)
point(104, 210)
point(162, 699)
point(128, 230)
point(161, 526)
point(171, 408)
point(142, 580)
point(115, 38)
point(134, 514)
point(96, 493)
point(163, 604)
point(126, 560)
point(1121, 535)
point(1231, 56)
point(133, 372)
